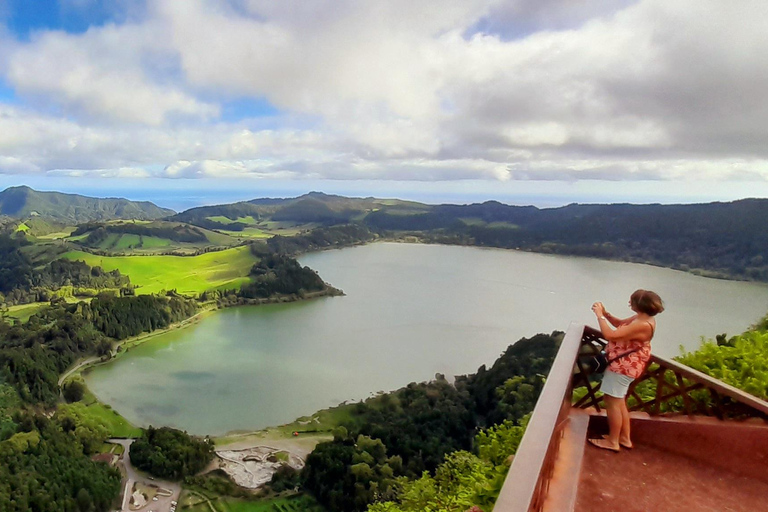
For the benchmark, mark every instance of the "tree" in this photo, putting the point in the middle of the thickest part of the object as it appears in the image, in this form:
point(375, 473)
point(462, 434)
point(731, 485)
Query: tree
point(169, 453)
point(74, 391)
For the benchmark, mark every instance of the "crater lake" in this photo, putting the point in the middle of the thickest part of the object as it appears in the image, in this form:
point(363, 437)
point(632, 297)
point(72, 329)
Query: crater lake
point(410, 311)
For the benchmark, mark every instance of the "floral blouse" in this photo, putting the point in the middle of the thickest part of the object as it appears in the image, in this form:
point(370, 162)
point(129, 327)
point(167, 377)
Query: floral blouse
point(631, 365)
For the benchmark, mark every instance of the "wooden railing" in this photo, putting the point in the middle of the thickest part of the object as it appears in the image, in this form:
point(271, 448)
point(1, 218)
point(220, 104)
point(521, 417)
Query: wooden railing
point(527, 482)
point(679, 390)
point(674, 389)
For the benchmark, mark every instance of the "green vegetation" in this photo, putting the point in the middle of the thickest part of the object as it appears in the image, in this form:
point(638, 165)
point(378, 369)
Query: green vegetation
point(414, 430)
point(22, 312)
point(248, 219)
point(32, 355)
point(128, 241)
point(95, 412)
point(741, 361)
point(463, 480)
point(177, 232)
point(9, 403)
point(56, 235)
point(350, 472)
point(24, 280)
point(169, 453)
point(189, 275)
point(196, 502)
point(248, 233)
point(123, 317)
point(321, 238)
point(45, 466)
point(280, 274)
point(300, 503)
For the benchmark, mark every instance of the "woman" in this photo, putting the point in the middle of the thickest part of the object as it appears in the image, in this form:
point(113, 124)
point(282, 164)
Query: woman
point(629, 349)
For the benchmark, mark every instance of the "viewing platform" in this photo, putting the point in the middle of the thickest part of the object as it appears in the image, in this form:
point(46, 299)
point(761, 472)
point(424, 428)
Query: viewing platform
point(699, 444)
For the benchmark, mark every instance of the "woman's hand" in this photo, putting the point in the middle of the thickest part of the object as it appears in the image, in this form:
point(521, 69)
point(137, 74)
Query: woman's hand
point(598, 309)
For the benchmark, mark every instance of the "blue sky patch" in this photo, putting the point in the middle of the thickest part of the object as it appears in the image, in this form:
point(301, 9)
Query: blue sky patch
point(7, 94)
point(24, 17)
point(247, 108)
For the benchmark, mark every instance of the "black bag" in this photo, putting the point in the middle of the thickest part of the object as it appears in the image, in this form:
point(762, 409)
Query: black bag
point(599, 362)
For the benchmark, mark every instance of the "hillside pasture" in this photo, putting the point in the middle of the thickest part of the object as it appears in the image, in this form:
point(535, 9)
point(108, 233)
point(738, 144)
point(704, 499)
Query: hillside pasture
point(247, 233)
point(22, 312)
point(194, 501)
point(57, 235)
point(221, 219)
point(125, 241)
point(190, 275)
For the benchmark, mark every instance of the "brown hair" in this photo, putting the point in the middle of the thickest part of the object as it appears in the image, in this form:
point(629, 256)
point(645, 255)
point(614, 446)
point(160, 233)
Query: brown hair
point(646, 301)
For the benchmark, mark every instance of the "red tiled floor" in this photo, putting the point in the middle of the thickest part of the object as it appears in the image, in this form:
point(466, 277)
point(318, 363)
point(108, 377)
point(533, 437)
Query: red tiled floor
point(649, 479)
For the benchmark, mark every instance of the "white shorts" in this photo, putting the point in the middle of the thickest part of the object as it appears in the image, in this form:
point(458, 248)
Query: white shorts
point(615, 384)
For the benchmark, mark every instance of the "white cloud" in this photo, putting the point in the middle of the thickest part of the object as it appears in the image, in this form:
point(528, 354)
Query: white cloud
point(417, 90)
point(101, 74)
point(123, 172)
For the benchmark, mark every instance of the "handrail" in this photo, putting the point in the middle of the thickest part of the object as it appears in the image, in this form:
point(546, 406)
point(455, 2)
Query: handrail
point(717, 385)
point(527, 482)
point(682, 380)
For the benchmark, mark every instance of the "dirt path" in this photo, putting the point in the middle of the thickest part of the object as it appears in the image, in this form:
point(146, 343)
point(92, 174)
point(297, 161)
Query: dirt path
point(77, 366)
point(301, 445)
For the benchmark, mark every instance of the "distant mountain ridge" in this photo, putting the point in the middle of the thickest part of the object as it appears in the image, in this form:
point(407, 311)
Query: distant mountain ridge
point(720, 239)
point(313, 207)
point(23, 202)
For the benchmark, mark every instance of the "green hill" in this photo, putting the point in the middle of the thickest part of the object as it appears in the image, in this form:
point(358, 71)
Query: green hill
point(314, 208)
point(186, 274)
point(147, 236)
point(24, 202)
point(715, 239)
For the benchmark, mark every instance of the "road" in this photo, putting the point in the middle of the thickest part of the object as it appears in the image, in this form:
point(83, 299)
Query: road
point(131, 476)
point(79, 365)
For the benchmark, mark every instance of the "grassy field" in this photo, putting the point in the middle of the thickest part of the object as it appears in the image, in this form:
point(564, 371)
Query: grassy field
point(151, 242)
point(185, 274)
point(118, 242)
point(22, 312)
point(313, 429)
point(97, 412)
point(117, 425)
point(90, 407)
point(126, 241)
point(57, 235)
point(195, 502)
point(248, 233)
point(226, 220)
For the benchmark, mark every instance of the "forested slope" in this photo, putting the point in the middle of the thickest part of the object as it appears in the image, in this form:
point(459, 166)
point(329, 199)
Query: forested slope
point(23, 202)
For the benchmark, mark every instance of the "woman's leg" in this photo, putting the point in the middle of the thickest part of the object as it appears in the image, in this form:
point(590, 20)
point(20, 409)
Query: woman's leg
point(624, 437)
point(613, 407)
point(615, 419)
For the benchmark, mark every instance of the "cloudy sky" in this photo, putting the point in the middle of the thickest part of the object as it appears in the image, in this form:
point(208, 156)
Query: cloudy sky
point(591, 100)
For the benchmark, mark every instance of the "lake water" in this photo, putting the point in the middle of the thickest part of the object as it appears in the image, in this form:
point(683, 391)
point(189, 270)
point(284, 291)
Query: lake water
point(410, 311)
